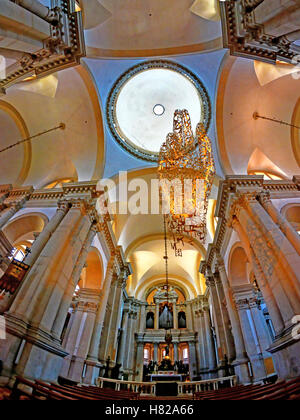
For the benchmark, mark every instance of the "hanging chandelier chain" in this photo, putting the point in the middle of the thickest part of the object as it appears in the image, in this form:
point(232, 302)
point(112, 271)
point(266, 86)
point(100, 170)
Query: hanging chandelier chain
point(256, 116)
point(61, 126)
point(166, 257)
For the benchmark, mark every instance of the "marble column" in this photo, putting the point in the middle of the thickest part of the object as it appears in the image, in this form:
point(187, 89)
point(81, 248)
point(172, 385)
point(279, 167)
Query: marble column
point(139, 367)
point(189, 316)
point(132, 344)
point(175, 316)
point(270, 295)
point(260, 326)
point(155, 354)
point(192, 359)
point(225, 319)
point(282, 257)
point(7, 215)
point(222, 349)
point(52, 266)
point(93, 353)
point(202, 343)
point(241, 361)
point(73, 282)
point(80, 334)
point(211, 354)
point(251, 342)
point(176, 352)
point(156, 321)
point(44, 236)
point(122, 345)
point(105, 334)
point(142, 323)
point(111, 347)
point(283, 224)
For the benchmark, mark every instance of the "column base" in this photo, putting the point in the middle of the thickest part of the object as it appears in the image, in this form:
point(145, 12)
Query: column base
point(241, 369)
point(29, 352)
point(92, 372)
point(286, 355)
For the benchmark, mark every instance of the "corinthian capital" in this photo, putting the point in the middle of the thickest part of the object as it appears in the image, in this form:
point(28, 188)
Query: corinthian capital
point(265, 197)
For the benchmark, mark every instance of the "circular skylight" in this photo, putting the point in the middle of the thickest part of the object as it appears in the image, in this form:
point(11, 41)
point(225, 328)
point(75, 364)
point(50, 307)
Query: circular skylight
point(142, 103)
point(159, 110)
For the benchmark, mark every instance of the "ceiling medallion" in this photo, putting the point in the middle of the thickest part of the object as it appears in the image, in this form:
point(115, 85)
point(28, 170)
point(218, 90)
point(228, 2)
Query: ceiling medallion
point(187, 160)
point(158, 110)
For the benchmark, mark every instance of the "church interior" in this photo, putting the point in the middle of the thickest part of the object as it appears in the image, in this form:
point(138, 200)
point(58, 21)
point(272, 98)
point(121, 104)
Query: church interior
point(103, 105)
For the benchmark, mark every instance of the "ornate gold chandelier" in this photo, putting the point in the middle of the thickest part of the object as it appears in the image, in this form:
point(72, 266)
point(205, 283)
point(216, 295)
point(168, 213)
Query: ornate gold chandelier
point(186, 171)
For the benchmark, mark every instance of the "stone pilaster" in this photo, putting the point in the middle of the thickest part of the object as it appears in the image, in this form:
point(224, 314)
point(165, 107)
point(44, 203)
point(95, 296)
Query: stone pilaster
point(241, 360)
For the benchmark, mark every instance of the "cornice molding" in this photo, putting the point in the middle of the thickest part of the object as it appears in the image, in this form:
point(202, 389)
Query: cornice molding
point(235, 191)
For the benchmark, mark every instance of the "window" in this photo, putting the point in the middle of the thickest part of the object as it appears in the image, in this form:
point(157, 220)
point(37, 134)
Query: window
point(185, 355)
point(146, 356)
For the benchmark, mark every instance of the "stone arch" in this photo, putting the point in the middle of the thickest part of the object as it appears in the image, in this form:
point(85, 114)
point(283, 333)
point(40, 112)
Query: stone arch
point(238, 266)
point(92, 274)
point(292, 213)
point(24, 228)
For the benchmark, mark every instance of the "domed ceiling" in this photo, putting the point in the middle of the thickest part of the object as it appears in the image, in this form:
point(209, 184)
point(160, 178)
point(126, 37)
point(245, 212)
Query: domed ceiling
point(141, 28)
point(143, 101)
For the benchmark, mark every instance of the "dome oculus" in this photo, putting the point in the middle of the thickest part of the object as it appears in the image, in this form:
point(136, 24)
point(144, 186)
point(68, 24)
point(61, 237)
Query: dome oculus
point(142, 103)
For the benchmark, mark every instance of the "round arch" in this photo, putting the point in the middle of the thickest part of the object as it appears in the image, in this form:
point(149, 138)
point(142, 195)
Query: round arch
point(238, 265)
point(24, 133)
point(92, 274)
point(187, 288)
point(24, 227)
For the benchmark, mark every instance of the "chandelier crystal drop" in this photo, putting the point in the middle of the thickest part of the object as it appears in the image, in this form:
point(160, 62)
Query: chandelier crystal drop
point(187, 162)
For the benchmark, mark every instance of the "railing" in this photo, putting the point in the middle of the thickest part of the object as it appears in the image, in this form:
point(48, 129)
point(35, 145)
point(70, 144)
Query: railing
point(184, 388)
point(144, 388)
point(207, 385)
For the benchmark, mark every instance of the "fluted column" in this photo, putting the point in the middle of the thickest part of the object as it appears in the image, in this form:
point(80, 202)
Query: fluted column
point(241, 361)
point(283, 224)
point(73, 282)
point(5, 218)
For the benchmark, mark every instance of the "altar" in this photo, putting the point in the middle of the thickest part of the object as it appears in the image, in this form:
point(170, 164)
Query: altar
point(166, 377)
point(166, 383)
